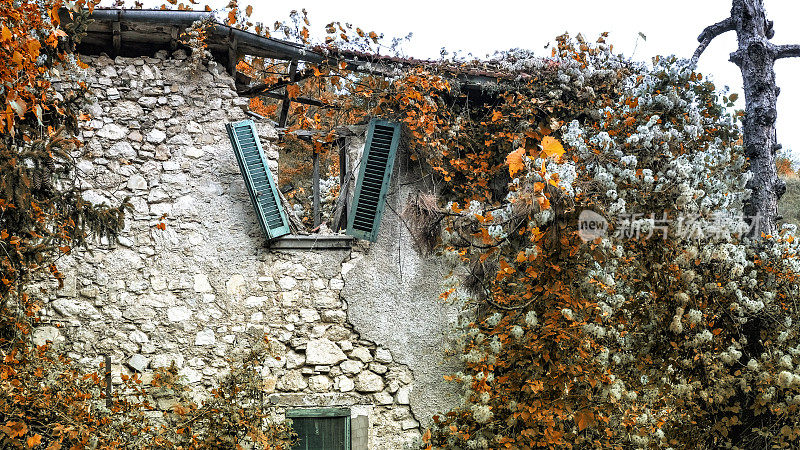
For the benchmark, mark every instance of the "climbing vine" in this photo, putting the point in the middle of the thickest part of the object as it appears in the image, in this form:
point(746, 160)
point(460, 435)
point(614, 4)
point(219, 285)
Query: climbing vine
point(662, 326)
point(669, 329)
point(47, 401)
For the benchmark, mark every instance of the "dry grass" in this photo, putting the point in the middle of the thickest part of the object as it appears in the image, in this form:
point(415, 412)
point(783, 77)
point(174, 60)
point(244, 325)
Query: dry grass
point(789, 205)
point(424, 218)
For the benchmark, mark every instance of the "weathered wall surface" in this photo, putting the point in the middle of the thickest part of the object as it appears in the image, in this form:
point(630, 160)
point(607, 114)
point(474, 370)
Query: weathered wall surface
point(392, 295)
point(196, 291)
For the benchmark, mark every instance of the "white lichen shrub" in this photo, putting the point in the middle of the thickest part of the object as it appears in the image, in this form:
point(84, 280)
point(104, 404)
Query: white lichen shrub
point(673, 321)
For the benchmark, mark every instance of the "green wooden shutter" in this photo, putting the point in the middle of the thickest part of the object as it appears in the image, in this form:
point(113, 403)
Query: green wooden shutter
point(258, 178)
point(373, 180)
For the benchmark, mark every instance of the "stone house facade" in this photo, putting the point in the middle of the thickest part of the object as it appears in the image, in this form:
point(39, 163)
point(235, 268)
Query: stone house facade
point(358, 326)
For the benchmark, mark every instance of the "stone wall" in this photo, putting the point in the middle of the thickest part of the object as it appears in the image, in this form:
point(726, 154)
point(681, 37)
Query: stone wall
point(195, 291)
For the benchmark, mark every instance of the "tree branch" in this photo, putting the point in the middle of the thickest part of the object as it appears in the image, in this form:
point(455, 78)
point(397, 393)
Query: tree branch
point(788, 51)
point(710, 33)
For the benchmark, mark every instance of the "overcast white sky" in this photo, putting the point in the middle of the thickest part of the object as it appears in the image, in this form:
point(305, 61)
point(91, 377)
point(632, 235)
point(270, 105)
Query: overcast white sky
point(483, 27)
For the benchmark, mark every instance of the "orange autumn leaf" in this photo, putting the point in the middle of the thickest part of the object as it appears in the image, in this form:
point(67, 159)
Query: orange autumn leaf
point(19, 106)
point(515, 161)
point(552, 148)
point(584, 419)
point(15, 429)
point(293, 91)
point(426, 437)
point(249, 10)
point(34, 440)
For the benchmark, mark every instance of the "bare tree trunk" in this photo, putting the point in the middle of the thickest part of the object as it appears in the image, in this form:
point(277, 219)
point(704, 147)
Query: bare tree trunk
point(756, 58)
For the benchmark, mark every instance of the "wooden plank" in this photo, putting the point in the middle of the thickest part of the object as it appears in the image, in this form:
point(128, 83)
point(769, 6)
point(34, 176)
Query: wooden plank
point(312, 242)
point(318, 412)
point(303, 100)
point(117, 38)
point(108, 380)
point(286, 101)
point(340, 212)
point(260, 88)
point(315, 187)
point(233, 57)
point(173, 42)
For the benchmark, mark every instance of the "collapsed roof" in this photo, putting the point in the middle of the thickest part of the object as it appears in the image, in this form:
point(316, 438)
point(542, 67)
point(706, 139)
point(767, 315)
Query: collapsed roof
point(134, 32)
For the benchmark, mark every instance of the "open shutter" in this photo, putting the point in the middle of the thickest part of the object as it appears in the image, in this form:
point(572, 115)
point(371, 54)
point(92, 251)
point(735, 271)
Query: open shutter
point(258, 178)
point(373, 180)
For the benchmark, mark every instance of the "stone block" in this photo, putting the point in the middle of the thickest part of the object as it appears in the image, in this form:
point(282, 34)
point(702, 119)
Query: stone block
point(345, 384)
point(139, 337)
point(361, 353)
point(166, 360)
point(402, 396)
point(137, 183)
point(112, 131)
point(323, 352)
point(292, 381)
point(138, 362)
point(383, 355)
point(205, 337)
point(369, 382)
point(201, 283)
point(47, 333)
point(319, 383)
point(359, 433)
point(178, 313)
point(383, 398)
point(352, 367)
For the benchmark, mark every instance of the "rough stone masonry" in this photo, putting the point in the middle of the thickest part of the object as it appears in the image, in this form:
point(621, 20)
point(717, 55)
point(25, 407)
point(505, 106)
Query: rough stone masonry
point(361, 328)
